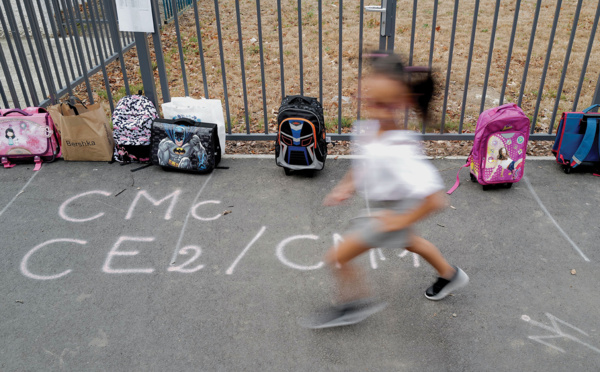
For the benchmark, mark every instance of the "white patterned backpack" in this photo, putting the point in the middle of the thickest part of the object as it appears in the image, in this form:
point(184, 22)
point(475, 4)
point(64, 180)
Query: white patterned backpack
point(132, 125)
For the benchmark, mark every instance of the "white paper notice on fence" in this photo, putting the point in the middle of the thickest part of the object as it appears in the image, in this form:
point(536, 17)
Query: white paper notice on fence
point(135, 15)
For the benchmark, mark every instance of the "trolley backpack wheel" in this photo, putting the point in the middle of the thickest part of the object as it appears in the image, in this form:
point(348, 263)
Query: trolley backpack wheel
point(288, 172)
point(473, 178)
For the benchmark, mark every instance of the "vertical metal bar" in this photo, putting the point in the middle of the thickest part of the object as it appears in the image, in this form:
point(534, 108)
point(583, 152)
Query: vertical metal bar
point(281, 50)
point(102, 59)
point(89, 40)
point(510, 48)
point(300, 46)
point(412, 33)
point(181, 56)
point(106, 22)
point(114, 30)
point(73, 35)
point(7, 73)
point(80, 53)
point(546, 63)
point(40, 78)
point(4, 98)
point(85, 41)
point(158, 53)
point(565, 65)
point(11, 86)
point(61, 55)
point(320, 9)
point(587, 57)
point(360, 56)
point(218, 18)
point(391, 24)
point(143, 51)
point(47, 33)
point(101, 28)
point(201, 49)
point(538, 6)
point(596, 99)
point(448, 73)
point(35, 28)
point(22, 57)
point(432, 44)
point(243, 66)
point(341, 19)
point(469, 60)
point(410, 55)
point(262, 67)
point(383, 37)
point(490, 56)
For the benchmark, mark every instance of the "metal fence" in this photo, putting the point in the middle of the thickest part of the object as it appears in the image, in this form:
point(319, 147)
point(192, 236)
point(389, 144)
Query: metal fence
point(169, 6)
point(48, 48)
point(542, 55)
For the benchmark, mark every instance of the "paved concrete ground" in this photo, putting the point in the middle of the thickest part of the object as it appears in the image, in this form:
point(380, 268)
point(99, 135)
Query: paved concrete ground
point(87, 282)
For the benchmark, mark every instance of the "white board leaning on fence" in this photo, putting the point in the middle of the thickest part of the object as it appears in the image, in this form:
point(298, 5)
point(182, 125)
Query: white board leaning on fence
point(135, 16)
point(202, 110)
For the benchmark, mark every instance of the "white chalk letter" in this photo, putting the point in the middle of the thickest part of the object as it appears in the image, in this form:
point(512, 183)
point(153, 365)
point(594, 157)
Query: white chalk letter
point(143, 193)
point(31, 275)
point(115, 252)
point(287, 262)
point(183, 251)
point(63, 206)
point(205, 218)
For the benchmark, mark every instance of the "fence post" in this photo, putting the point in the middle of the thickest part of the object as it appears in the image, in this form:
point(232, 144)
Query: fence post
point(143, 51)
point(158, 52)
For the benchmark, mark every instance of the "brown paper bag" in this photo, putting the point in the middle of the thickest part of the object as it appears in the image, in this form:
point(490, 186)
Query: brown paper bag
point(85, 132)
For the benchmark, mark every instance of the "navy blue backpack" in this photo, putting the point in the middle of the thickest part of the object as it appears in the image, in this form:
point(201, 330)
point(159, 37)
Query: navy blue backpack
point(577, 139)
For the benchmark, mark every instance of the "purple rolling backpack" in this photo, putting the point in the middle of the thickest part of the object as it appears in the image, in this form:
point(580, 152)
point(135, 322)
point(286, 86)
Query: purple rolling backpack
point(499, 148)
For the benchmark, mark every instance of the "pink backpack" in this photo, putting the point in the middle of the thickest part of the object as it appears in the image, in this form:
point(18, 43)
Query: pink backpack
point(499, 148)
point(28, 134)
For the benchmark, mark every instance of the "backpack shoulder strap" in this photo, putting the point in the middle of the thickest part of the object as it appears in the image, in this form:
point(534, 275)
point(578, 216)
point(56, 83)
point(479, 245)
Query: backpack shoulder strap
point(586, 143)
point(457, 183)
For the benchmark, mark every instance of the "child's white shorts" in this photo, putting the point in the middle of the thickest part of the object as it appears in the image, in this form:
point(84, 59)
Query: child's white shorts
point(368, 227)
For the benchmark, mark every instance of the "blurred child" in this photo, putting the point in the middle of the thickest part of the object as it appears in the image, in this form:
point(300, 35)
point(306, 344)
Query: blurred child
point(400, 189)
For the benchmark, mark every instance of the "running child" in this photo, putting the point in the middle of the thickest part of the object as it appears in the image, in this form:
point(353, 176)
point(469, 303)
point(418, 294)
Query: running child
point(400, 189)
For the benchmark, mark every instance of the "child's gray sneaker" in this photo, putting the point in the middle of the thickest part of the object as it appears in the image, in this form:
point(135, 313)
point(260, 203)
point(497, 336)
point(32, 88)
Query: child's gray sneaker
point(442, 287)
point(344, 314)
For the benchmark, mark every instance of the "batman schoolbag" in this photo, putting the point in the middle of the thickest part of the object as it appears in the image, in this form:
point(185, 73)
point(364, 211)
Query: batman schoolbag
point(301, 139)
point(185, 145)
point(132, 125)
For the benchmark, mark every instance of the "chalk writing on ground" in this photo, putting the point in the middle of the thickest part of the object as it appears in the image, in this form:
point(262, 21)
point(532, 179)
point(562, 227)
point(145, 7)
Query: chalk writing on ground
point(76, 210)
point(557, 332)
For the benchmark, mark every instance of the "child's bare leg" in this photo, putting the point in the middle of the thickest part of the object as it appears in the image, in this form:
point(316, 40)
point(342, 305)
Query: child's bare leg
point(431, 254)
point(349, 278)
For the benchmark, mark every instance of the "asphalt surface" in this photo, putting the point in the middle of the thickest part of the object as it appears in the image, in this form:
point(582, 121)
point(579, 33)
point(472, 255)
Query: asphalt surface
point(101, 271)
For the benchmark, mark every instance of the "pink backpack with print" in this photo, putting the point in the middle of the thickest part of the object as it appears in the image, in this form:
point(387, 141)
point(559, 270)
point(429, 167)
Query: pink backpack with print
point(499, 148)
point(28, 134)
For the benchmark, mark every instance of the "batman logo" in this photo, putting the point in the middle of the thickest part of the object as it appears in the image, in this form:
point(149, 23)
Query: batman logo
point(179, 151)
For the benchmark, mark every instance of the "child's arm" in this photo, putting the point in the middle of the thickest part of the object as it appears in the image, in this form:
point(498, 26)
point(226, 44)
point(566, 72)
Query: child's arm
point(344, 190)
point(393, 221)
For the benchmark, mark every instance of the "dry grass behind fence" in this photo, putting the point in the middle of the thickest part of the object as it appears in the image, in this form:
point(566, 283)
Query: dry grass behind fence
point(350, 53)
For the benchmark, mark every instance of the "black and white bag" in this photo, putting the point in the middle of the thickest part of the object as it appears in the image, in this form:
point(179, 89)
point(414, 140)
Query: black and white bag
point(132, 125)
point(301, 139)
point(185, 145)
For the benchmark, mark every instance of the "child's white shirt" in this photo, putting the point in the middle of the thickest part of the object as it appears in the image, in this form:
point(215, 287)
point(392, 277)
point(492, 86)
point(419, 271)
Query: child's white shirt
point(391, 166)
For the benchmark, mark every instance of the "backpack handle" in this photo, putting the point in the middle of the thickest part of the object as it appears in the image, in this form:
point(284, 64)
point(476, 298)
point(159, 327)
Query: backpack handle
point(505, 106)
point(590, 108)
point(17, 111)
point(300, 98)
